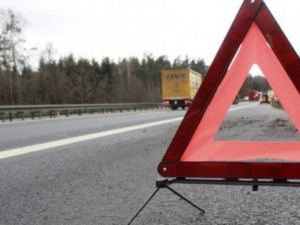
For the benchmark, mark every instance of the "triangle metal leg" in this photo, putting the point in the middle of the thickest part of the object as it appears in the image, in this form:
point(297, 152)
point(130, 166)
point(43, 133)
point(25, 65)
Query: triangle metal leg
point(154, 193)
point(185, 199)
point(164, 183)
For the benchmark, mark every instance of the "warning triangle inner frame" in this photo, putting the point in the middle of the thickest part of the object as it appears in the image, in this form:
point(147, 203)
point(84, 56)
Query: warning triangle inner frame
point(171, 166)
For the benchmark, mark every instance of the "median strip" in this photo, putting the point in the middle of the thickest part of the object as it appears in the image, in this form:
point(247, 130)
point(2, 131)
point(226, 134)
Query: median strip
point(53, 144)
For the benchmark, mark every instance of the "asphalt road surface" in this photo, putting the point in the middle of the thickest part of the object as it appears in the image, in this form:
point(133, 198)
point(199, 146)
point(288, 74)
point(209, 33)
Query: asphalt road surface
point(100, 169)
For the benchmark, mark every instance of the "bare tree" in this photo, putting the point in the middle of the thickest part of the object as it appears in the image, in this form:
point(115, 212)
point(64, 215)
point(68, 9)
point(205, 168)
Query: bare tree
point(49, 52)
point(11, 42)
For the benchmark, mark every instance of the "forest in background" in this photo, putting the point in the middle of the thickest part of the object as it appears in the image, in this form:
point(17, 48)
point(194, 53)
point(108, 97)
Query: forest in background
point(75, 81)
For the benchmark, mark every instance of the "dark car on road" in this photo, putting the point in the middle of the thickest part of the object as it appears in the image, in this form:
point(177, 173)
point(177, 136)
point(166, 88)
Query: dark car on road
point(264, 98)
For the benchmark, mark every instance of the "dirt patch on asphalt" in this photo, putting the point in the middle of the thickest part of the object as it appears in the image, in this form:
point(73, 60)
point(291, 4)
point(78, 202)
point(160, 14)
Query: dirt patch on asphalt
point(266, 127)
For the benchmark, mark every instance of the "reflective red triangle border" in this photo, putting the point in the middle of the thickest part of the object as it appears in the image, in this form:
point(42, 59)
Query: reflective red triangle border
point(171, 166)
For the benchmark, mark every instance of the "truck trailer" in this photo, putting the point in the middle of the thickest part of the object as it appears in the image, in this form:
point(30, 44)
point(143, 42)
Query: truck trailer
point(179, 86)
point(254, 95)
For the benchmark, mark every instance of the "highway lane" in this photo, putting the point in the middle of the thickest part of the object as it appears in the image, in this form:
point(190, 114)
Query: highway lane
point(22, 133)
point(23, 137)
point(259, 123)
point(106, 180)
point(19, 134)
point(80, 183)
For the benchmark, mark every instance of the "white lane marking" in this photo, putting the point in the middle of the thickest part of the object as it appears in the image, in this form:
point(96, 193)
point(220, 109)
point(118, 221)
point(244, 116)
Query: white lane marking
point(52, 144)
point(149, 113)
point(242, 107)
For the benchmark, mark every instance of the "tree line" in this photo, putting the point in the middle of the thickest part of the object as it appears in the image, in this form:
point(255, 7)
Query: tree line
point(73, 81)
point(258, 83)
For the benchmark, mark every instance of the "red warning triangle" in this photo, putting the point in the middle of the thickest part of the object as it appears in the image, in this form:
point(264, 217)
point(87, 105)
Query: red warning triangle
point(254, 38)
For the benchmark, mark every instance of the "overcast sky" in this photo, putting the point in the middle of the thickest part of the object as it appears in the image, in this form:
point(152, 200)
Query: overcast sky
point(124, 28)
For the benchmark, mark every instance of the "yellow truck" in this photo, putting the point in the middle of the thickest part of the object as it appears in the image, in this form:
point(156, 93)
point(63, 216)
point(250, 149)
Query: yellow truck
point(179, 86)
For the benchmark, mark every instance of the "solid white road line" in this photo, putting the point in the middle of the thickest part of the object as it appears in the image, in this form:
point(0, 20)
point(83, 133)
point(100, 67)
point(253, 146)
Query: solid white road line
point(53, 144)
point(243, 107)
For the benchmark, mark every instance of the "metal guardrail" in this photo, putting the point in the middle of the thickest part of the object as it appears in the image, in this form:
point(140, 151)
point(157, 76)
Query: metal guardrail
point(33, 111)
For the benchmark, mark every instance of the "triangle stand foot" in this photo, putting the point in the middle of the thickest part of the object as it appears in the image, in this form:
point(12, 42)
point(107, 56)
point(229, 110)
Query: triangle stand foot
point(165, 183)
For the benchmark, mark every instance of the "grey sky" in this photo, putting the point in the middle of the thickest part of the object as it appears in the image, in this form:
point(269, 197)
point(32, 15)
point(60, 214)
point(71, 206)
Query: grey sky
point(124, 28)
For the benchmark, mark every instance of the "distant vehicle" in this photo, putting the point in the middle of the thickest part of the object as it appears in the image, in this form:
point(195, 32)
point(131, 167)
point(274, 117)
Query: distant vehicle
point(271, 95)
point(246, 98)
point(179, 87)
point(253, 95)
point(264, 98)
point(267, 97)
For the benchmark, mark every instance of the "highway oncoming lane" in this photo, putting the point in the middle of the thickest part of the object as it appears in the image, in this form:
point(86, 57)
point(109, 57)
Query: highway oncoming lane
point(53, 144)
point(86, 137)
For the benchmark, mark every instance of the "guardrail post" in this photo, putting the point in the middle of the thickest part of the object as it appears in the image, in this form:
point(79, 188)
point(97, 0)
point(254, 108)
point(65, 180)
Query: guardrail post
point(3, 117)
point(10, 116)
